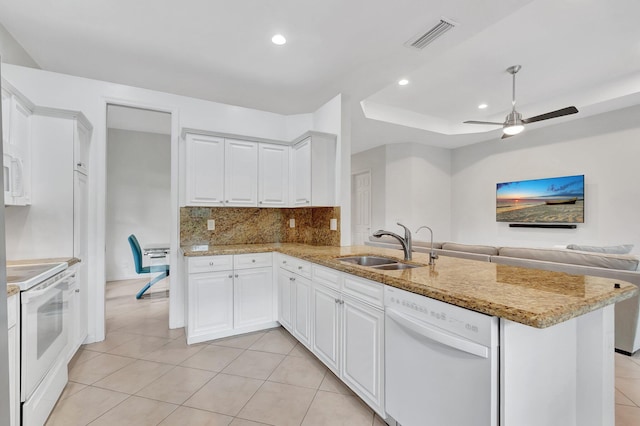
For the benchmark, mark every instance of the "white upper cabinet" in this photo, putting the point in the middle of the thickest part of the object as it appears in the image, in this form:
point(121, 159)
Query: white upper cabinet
point(273, 175)
point(313, 170)
point(301, 173)
point(16, 141)
point(204, 170)
point(220, 171)
point(81, 140)
point(241, 173)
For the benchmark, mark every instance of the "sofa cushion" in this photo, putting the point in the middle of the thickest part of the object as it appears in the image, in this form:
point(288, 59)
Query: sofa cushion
point(574, 257)
point(620, 249)
point(415, 243)
point(470, 248)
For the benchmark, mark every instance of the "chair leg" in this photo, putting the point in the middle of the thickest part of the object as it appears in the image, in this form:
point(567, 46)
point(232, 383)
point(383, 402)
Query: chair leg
point(150, 283)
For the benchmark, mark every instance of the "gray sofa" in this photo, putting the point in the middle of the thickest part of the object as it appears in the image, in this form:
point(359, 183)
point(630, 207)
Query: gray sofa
point(615, 266)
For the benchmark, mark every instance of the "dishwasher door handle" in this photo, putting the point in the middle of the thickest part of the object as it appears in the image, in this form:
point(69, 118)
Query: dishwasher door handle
point(438, 336)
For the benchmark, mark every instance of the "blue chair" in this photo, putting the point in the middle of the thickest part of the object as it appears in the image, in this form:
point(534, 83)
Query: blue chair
point(137, 260)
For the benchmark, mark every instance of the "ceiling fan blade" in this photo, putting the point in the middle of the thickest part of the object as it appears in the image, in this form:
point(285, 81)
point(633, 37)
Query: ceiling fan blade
point(504, 136)
point(554, 114)
point(483, 122)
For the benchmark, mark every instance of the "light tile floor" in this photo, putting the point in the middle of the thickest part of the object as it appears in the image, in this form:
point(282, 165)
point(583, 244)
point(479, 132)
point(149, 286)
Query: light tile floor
point(145, 374)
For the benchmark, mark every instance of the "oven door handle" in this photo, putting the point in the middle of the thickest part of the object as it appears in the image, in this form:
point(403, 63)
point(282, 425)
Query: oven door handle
point(438, 336)
point(44, 288)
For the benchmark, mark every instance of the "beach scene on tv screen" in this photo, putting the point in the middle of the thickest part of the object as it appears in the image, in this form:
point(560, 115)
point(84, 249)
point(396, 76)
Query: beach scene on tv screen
point(551, 200)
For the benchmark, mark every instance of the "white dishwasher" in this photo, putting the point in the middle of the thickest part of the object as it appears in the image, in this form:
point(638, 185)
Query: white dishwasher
point(441, 362)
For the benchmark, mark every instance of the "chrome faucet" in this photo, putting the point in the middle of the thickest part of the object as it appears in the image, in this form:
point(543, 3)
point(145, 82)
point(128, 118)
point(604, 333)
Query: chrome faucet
point(432, 254)
point(404, 242)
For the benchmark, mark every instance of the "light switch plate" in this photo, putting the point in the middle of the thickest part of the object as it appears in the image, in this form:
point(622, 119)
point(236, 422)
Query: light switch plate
point(333, 224)
point(211, 224)
point(292, 223)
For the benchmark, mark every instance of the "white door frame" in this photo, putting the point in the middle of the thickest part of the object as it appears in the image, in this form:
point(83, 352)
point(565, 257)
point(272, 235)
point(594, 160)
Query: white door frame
point(96, 294)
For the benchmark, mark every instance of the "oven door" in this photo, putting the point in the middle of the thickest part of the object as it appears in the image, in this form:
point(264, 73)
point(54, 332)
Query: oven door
point(44, 330)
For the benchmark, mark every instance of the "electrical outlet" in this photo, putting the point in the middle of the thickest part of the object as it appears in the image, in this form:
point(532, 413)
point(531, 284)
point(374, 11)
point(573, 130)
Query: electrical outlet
point(292, 223)
point(333, 224)
point(211, 224)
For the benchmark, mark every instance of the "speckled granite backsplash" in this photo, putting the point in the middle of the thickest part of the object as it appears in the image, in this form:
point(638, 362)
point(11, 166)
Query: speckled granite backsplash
point(258, 226)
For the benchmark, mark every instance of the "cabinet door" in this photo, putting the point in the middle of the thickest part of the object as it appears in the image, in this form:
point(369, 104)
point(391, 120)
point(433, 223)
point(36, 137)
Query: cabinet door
point(81, 140)
point(252, 297)
point(241, 173)
point(204, 170)
point(210, 304)
point(273, 175)
point(363, 347)
point(301, 173)
point(302, 310)
point(285, 295)
point(6, 118)
point(327, 307)
point(13, 394)
point(81, 251)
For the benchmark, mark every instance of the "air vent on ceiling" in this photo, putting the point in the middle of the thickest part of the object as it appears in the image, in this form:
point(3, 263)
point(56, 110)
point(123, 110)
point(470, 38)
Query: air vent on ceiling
point(420, 41)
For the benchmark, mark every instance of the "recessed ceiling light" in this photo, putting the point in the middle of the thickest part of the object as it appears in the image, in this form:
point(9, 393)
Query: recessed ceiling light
point(482, 106)
point(403, 82)
point(278, 39)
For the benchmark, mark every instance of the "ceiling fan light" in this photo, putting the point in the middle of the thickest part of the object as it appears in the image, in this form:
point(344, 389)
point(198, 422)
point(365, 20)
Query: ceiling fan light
point(513, 129)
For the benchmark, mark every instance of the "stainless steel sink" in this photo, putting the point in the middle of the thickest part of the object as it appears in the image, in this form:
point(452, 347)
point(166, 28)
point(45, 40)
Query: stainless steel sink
point(369, 260)
point(395, 266)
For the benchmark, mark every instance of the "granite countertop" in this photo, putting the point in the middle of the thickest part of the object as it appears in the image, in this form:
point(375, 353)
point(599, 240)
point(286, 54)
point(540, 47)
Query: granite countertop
point(13, 289)
point(70, 261)
point(532, 297)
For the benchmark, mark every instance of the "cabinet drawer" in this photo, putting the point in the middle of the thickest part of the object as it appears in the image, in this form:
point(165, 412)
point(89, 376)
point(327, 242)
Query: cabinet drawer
point(364, 290)
point(295, 265)
point(12, 310)
point(326, 276)
point(210, 264)
point(252, 260)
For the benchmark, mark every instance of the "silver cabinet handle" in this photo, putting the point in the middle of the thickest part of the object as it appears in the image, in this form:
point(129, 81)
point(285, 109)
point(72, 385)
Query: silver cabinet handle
point(260, 202)
point(236, 275)
point(77, 290)
point(253, 261)
point(299, 267)
point(337, 300)
point(211, 263)
point(293, 279)
point(230, 276)
point(284, 261)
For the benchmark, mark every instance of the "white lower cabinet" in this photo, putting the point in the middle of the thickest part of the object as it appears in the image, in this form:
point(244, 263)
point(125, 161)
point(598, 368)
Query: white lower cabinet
point(228, 295)
point(285, 296)
point(327, 325)
point(252, 295)
point(363, 351)
point(302, 317)
point(210, 305)
point(14, 355)
point(347, 329)
point(294, 297)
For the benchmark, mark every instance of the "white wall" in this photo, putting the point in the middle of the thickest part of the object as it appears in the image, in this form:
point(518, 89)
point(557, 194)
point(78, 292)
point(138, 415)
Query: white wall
point(411, 184)
point(138, 196)
point(12, 52)
point(329, 118)
point(605, 148)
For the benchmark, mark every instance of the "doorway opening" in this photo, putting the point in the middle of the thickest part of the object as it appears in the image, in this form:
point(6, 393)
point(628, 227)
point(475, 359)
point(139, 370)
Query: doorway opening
point(138, 203)
point(360, 207)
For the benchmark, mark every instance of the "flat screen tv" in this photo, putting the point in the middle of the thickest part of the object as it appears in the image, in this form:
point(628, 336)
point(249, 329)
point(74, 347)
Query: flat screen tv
point(550, 200)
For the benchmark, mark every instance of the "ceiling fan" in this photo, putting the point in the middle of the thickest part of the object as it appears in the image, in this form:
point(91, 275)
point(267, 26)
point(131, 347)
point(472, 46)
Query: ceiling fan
point(514, 123)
